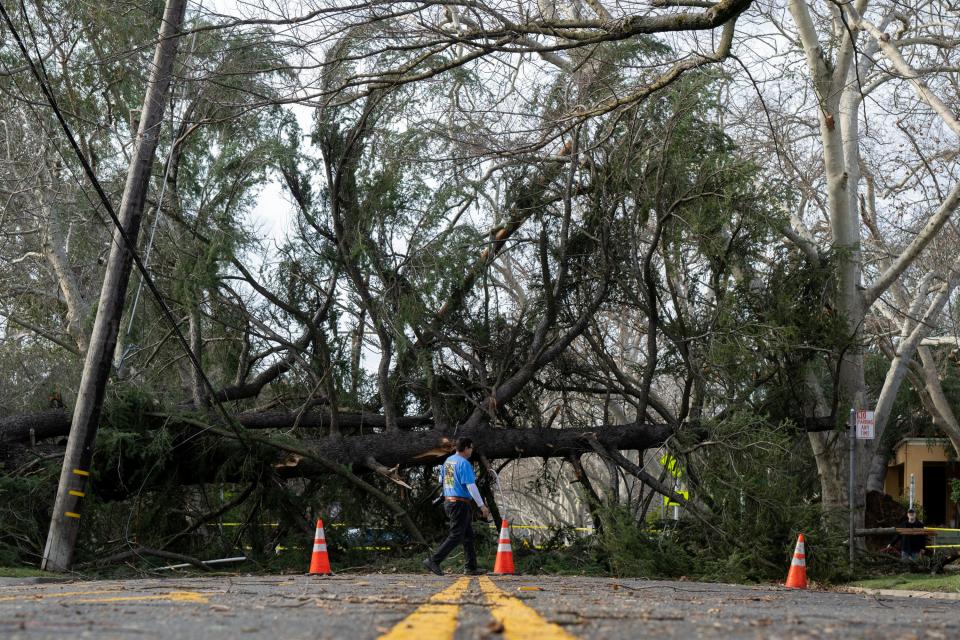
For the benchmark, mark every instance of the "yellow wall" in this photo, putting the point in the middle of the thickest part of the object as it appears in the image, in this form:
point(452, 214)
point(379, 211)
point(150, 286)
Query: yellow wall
point(910, 455)
point(896, 481)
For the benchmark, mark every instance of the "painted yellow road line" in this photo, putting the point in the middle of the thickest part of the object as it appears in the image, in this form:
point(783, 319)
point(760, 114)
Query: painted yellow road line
point(437, 619)
point(173, 596)
point(62, 594)
point(93, 597)
point(518, 620)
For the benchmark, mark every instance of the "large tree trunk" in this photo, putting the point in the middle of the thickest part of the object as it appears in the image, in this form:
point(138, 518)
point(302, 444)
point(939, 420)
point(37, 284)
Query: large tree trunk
point(65, 521)
point(837, 116)
point(364, 434)
point(829, 453)
point(204, 452)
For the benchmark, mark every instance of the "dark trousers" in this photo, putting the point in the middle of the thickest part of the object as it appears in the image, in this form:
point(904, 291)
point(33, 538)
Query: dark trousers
point(460, 518)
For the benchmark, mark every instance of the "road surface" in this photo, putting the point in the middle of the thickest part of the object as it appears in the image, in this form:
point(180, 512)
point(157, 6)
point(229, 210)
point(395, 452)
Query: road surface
point(428, 607)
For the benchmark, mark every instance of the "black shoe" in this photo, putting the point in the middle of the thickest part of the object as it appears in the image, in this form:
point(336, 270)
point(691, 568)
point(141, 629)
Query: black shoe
point(433, 566)
point(476, 572)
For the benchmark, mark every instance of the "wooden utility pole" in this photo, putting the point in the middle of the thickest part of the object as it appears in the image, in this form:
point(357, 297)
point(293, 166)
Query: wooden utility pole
point(74, 476)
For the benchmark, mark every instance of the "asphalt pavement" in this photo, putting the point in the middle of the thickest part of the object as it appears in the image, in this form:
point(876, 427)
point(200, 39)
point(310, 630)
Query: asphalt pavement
point(429, 607)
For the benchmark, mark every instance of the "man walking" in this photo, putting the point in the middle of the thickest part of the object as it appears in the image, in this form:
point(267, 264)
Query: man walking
point(459, 487)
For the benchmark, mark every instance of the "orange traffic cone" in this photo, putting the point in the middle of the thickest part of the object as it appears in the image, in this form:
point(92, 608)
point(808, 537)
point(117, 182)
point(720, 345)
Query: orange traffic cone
point(319, 562)
point(797, 576)
point(504, 562)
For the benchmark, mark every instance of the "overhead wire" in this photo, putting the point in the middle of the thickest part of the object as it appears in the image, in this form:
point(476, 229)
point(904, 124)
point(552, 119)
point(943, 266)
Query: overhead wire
point(42, 80)
point(156, 221)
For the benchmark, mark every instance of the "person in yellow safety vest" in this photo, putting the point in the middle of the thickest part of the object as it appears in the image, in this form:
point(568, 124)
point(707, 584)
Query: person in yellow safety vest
point(459, 495)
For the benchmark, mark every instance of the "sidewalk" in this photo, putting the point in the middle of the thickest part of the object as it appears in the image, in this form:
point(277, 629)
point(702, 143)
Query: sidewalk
point(905, 593)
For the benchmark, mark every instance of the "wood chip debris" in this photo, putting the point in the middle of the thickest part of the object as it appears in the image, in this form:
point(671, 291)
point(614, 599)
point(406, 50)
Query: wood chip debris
point(494, 627)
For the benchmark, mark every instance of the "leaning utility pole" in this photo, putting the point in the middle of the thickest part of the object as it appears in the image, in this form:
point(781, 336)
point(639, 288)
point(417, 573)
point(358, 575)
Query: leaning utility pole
point(74, 476)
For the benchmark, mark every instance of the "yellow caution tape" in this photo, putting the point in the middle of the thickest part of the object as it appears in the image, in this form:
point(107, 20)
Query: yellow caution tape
point(667, 502)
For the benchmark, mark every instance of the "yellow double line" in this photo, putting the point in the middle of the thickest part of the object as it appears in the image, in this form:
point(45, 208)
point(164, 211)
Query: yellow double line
point(437, 619)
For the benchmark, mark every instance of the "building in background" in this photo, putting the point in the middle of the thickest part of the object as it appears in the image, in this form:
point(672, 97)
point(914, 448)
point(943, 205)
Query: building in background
point(930, 462)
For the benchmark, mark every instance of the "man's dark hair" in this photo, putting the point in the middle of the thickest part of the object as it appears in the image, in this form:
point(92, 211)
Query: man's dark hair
point(463, 443)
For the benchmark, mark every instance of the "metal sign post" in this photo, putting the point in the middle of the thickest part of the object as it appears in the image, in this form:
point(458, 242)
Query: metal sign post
point(862, 427)
point(852, 439)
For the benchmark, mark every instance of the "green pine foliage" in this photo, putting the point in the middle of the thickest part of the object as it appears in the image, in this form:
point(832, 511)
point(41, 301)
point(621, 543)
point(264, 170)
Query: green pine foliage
point(393, 195)
point(25, 504)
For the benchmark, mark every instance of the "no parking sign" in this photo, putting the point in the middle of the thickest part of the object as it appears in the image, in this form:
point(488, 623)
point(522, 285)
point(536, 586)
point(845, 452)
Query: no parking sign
point(865, 425)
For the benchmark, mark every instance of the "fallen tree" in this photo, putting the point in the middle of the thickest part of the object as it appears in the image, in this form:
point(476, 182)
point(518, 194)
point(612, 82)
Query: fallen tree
point(210, 452)
point(421, 444)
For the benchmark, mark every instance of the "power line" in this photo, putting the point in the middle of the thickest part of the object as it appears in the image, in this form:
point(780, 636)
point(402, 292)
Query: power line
point(94, 181)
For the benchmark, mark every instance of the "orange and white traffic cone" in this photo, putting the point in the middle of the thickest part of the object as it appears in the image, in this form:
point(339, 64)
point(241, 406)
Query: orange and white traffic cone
point(797, 576)
point(504, 562)
point(320, 562)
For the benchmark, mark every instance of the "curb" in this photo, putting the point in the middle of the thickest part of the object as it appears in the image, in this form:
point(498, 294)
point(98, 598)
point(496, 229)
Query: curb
point(16, 582)
point(904, 593)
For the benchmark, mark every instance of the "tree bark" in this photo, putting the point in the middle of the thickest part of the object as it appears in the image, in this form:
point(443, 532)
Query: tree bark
point(197, 391)
point(44, 424)
point(836, 114)
point(55, 422)
point(421, 447)
point(942, 412)
point(55, 251)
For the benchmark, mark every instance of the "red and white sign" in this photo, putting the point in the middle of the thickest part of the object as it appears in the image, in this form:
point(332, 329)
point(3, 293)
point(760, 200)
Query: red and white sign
point(865, 425)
